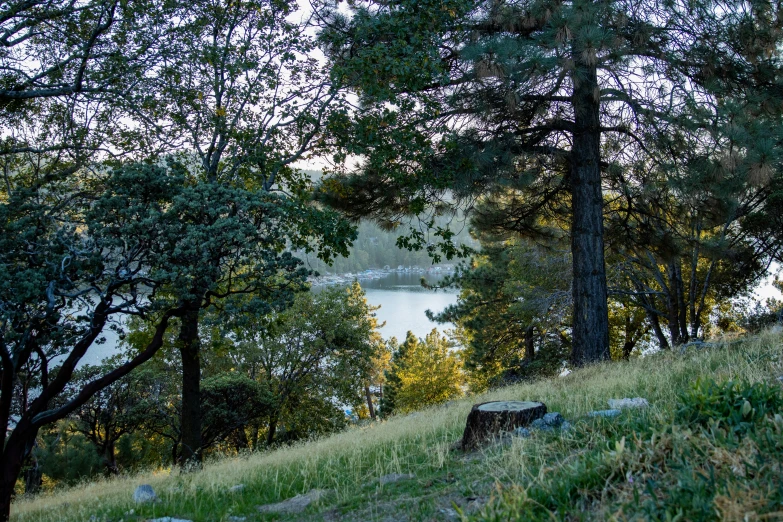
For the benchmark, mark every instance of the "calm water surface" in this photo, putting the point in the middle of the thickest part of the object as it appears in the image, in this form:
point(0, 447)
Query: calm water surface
point(402, 301)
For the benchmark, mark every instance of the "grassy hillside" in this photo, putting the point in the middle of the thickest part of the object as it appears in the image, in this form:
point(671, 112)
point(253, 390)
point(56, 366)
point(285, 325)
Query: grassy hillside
point(663, 462)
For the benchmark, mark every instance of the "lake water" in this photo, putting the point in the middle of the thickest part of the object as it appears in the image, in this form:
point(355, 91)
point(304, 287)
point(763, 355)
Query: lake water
point(403, 303)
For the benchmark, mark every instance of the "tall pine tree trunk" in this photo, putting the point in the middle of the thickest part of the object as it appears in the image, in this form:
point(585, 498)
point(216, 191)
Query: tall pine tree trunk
point(530, 344)
point(681, 299)
point(673, 305)
point(591, 314)
point(190, 453)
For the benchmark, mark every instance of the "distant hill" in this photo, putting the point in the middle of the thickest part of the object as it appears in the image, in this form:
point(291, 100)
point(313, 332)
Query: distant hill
point(376, 248)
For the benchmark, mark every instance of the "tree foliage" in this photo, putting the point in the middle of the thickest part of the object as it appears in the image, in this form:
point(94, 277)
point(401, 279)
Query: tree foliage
point(321, 349)
point(552, 101)
point(237, 100)
point(115, 411)
point(423, 372)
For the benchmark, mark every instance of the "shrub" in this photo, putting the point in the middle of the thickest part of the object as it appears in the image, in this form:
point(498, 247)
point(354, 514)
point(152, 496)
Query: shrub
point(732, 406)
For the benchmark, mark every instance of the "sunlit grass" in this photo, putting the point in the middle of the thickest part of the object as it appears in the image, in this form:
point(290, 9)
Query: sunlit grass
point(349, 463)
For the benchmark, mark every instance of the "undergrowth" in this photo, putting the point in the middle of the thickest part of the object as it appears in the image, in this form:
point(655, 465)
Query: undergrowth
point(720, 458)
point(709, 447)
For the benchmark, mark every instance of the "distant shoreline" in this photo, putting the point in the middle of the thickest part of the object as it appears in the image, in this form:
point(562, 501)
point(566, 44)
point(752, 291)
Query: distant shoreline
point(376, 273)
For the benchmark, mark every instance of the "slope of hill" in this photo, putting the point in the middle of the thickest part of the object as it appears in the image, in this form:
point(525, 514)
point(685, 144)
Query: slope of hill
point(701, 451)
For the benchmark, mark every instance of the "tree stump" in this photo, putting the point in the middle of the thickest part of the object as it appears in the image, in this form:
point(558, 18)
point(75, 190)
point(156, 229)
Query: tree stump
point(488, 419)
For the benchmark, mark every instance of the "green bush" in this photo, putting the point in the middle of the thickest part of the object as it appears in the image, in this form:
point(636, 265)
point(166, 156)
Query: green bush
point(735, 407)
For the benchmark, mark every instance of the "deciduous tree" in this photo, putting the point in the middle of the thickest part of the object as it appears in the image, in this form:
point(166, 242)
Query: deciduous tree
point(238, 100)
point(320, 351)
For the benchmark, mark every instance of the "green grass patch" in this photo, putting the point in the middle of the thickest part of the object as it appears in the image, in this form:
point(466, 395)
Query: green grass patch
point(709, 447)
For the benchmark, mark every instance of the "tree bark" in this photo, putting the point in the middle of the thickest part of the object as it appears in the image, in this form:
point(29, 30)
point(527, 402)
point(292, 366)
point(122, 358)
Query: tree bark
point(13, 457)
point(369, 402)
point(591, 313)
point(489, 419)
point(681, 299)
point(270, 434)
point(33, 477)
point(7, 494)
point(673, 305)
point(530, 345)
point(656, 324)
point(190, 425)
point(110, 459)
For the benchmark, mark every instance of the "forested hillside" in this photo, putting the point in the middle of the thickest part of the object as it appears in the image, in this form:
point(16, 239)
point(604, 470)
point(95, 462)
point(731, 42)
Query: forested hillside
point(605, 178)
point(375, 247)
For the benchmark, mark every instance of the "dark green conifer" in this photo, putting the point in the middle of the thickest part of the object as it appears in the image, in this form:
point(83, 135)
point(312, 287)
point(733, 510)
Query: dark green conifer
point(465, 98)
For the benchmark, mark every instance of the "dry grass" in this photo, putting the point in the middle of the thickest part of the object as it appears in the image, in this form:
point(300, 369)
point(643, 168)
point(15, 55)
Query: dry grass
point(348, 462)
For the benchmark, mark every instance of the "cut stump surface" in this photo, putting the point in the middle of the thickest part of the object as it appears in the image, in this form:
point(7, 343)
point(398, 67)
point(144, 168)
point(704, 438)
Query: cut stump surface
point(489, 419)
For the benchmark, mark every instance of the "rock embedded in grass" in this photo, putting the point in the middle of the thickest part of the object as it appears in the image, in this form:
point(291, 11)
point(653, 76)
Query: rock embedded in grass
point(489, 420)
point(697, 344)
point(296, 504)
point(548, 422)
point(168, 519)
point(391, 478)
point(144, 493)
point(636, 402)
point(604, 413)
point(237, 488)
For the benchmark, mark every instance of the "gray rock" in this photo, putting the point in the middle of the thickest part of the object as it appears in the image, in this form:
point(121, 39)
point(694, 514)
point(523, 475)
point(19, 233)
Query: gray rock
point(539, 424)
point(553, 419)
point(697, 344)
point(565, 426)
point(780, 379)
point(521, 432)
point(168, 519)
point(548, 422)
point(636, 402)
point(604, 413)
point(450, 513)
point(144, 493)
point(296, 504)
point(236, 489)
point(391, 478)
point(236, 519)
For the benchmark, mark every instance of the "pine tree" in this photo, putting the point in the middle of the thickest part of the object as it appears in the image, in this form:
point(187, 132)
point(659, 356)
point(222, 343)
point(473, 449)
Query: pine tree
point(425, 372)
point(463, 98)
